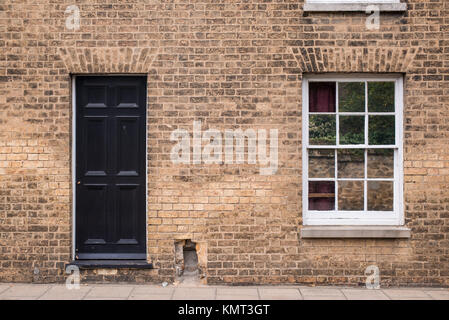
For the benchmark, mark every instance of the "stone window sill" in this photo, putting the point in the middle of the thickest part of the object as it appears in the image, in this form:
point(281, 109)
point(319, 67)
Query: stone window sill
point(385, 232)
point(347, 7)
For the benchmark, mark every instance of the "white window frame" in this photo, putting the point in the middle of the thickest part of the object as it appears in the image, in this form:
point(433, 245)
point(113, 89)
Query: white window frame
point(395, 217)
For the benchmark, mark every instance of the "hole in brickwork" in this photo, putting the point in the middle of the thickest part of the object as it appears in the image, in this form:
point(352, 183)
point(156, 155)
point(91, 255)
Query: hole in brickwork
point(179, 257)
point(187, 267)
point(190, 258)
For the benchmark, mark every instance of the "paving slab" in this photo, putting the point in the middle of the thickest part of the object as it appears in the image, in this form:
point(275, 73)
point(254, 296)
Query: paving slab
point(194, 294)
point(60, 292)
point(18, 298)
point(4, 287)
point(406, 294)
point(13, 291)
point(279, 294)
point(237, 294)
point(98, 298)
point(109, 292)
point(322, 294)
point(364, 294)
point(25, 291)
point(151, 293)
point(438, 294)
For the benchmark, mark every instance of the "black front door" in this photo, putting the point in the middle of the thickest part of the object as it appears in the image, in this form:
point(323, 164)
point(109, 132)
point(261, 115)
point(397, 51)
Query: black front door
point(110, 167)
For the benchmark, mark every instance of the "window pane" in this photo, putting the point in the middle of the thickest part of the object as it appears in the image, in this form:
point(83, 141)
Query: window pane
point(322, 129)
point(351, 97)
point(381, 96)
point(321, 163)
point(321, 195)
point(351, 163)
point(380, 163)
point(322, 96)
point(381, 130)
point(380, 195)
point(352, 129)
point(350, 195)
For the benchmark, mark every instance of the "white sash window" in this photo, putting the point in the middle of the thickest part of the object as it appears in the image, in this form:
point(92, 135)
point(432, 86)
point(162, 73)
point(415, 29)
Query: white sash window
point(352, 150)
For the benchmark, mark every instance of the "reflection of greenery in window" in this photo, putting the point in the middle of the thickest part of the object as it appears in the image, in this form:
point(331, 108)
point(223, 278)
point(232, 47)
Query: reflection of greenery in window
point(351, 96)
point(381, 96)
point(322, 129)
point(381, 130)
point(352, 129)
point(358, 154)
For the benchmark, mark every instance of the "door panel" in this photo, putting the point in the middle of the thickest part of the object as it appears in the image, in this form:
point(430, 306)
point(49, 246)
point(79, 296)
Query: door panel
point(95, 145)
point(128, 96)
point(96, 96)
point(94, 212)
point(128, 211)
point(110, 167)
point(128, 146)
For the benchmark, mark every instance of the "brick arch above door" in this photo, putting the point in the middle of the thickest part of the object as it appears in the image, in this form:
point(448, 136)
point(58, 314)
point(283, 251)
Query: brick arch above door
point(351, 59)
point(108, 60)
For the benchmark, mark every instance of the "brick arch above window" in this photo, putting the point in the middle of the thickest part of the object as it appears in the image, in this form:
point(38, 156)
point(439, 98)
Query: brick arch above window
point(347, 59)
point(108, 60)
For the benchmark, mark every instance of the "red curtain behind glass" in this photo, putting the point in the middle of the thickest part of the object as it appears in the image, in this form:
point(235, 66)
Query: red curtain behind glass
point(321, 96)
point(327, 203)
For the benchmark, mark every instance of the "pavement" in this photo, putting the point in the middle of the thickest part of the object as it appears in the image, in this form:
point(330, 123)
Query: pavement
point(16, 291)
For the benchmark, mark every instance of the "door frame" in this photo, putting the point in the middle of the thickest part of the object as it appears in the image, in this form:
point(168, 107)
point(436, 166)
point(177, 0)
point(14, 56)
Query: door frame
point(73, 153)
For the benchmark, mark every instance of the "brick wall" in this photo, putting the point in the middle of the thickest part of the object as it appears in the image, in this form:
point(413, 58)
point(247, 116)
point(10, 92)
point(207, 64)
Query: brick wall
point(231, 64)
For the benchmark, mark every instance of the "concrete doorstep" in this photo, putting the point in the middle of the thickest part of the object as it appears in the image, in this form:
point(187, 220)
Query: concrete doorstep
point(12, 291)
